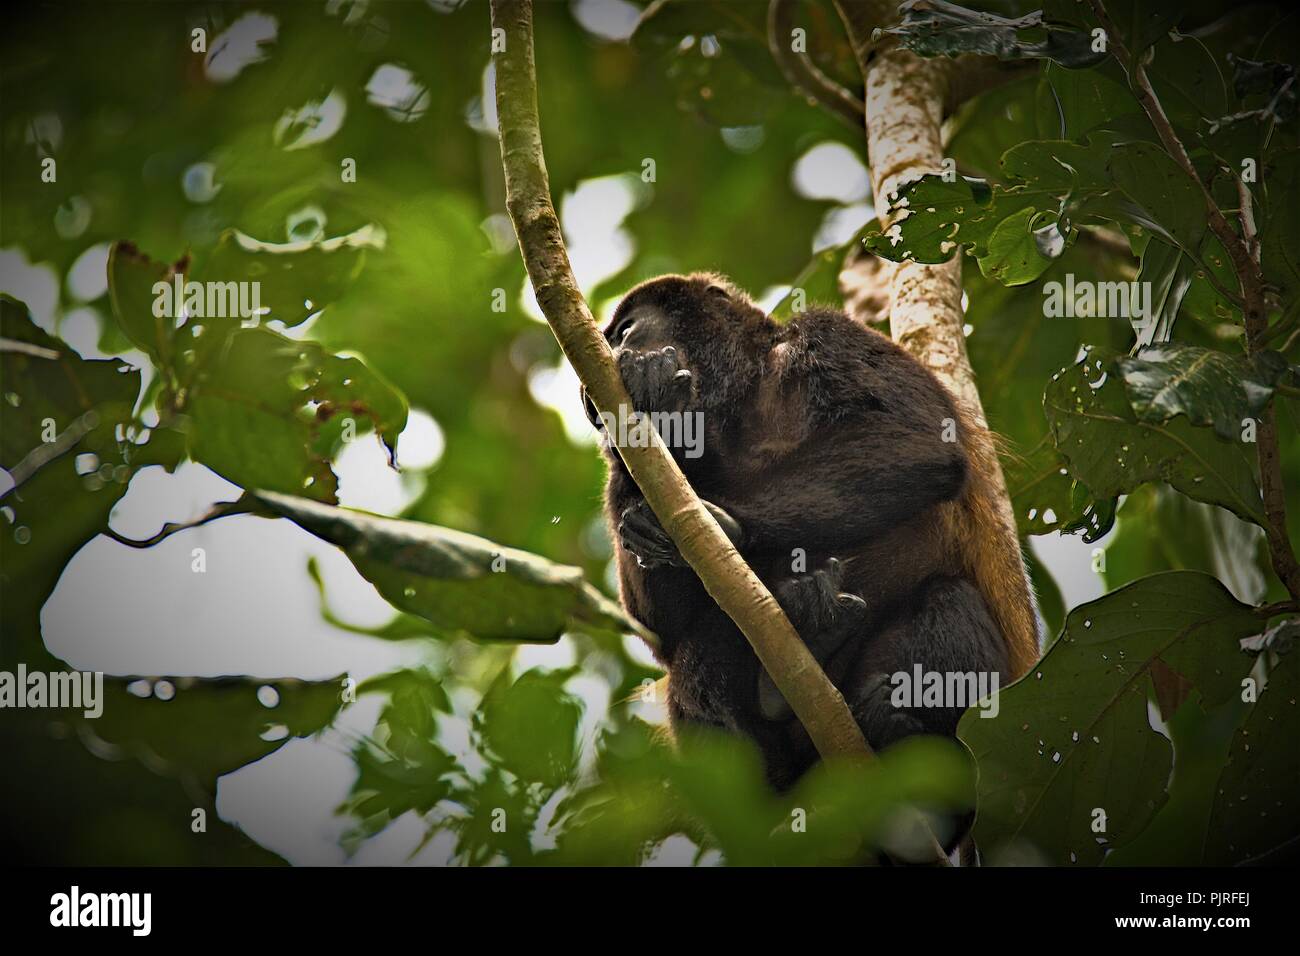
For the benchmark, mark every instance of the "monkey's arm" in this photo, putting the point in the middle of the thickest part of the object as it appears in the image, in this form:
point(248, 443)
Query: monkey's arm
point(847, 486)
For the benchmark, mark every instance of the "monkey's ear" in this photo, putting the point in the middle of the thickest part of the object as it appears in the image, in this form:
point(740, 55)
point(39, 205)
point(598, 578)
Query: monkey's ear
point(720, 291)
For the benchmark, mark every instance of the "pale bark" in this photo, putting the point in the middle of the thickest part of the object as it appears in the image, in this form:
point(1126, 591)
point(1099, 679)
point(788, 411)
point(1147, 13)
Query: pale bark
point(905, 103)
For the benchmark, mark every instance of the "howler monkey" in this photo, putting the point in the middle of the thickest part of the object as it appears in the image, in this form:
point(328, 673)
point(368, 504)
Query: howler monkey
point(821, 438)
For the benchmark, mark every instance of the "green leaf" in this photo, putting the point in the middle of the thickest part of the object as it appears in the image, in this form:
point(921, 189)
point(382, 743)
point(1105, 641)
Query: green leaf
point(1207, 386)
point(1014, 253)
point(1106, 447)
point(1279, 234)
point(1169, 201)
point(293, 273)
point(1257, 802)
point(1072, 737)
point(168, 724)
point(1016, 229)
point(268, 411)
point(1169, 271)
point(1073, 103)
point(65, 487)
point(457, 581)
point(531, 726)
point(131, 279)
point(400, 766)
point(938, 217)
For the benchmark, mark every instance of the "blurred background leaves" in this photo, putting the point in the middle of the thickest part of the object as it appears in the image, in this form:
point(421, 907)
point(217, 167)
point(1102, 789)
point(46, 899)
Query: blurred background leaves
point(343, 154)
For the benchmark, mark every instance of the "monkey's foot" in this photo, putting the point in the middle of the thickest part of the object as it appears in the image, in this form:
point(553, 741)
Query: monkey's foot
point(818, 609)
point(881, 721)
point(825, 618)
point(656, 380)
point(644, 538)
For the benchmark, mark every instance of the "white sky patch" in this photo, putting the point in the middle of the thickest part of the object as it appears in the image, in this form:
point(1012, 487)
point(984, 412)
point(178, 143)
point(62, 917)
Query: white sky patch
point(241, 45)
point(367, 482)
point(610, 19)
point(557, 387)
point(840, 224)
point(500, 232)
point(421, 442)
point(312, 123)
point(548, 657)
point(831, 170)
point(88, 274)
point(145, 611)
point(396, 90)
point(592, 218)
point(743, 139)
point(481, 111)
point(73, 217)
point(80, 329)
point(771, 297)
point(35, 285)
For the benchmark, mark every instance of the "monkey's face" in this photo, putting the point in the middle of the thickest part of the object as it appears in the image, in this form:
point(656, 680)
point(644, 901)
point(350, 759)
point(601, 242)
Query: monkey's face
point(687, 343)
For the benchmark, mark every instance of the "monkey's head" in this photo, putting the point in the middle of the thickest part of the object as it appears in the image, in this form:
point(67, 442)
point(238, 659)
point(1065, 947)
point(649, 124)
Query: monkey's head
point(702, 325)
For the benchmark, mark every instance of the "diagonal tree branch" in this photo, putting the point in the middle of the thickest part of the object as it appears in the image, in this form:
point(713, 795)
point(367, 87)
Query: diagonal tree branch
point(814, 699)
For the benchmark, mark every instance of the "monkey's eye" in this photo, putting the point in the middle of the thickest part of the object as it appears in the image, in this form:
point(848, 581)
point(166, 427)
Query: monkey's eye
point(621, 330)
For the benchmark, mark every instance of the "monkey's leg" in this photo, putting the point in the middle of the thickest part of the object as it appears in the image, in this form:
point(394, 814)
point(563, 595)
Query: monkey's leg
point(825, 618)
point(949, 631)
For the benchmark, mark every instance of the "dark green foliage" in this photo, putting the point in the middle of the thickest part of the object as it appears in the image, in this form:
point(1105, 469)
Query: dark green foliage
point(398, 292)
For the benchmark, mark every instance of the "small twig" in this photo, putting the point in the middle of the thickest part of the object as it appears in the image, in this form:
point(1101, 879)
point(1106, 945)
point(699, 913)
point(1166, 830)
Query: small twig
point(244, 505)
point(43, 454)
point(1273, 610)
point(802, 73)
point(27, 348)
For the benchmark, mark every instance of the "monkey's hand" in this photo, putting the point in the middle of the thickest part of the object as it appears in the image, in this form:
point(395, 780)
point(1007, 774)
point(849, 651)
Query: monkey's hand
point(641, 534)
point(656, 380)
point(825, 618)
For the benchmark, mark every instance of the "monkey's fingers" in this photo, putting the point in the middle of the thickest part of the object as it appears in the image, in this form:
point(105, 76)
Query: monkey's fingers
point(682, 386)
point(642, 535)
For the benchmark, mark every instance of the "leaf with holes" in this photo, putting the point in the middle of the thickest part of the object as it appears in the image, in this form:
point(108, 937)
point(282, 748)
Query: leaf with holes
point(1070, 763)
point(1257, 803)
point(1106, 447)
point(268, 412)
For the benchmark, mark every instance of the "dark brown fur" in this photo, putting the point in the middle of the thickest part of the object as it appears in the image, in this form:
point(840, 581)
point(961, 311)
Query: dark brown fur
point(820, 435)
